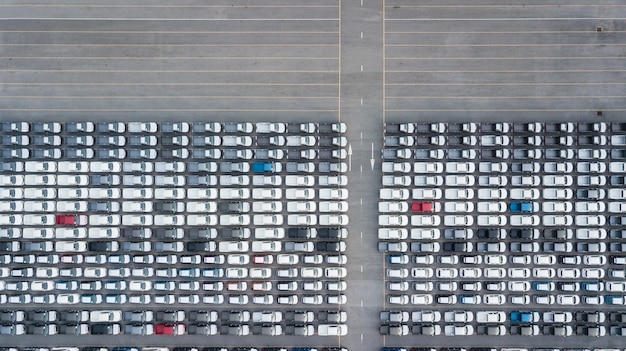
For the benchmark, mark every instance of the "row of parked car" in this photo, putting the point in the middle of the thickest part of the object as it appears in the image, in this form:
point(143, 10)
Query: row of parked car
point(445, 298)
point(501, 330)
point(179, 348)
point(395, 348)
point(171, 127)
point(536, 128)
point(171, 322)
point(335, 298)
point(164, 180)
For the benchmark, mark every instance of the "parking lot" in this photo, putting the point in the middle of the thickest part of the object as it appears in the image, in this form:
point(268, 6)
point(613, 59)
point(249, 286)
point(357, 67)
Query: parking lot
point(312, 61)
point(514, 228)
point(174, 228)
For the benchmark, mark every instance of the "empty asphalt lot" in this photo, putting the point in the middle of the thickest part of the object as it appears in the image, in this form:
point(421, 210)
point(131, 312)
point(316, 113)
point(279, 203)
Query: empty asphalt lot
point(363, 62)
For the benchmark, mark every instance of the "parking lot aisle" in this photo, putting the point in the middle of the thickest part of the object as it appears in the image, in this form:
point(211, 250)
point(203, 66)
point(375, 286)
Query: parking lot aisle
point(361, 109)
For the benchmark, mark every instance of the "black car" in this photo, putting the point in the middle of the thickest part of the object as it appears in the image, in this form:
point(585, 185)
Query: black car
point(590, 317)
point(489, 234)
point(331, 233)
point(617, 234)
point(523, 234)
point(103, 246)
point(109, 179)
point(559, 234)
point(105, 329)
point(302, 233)
point(8, 246)
point(199, 246)
point(234, 207)
point(202, 233)
point(332, 246)
point(104, 207)
point(169, 207)
point(454, 246)
point(234, 233)
point(169, 233)
point(139, 233)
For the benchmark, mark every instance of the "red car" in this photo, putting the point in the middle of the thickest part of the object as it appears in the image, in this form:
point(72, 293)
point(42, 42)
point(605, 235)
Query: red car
point(422, 207)
point(262, 259)
point(72, 219)
point(170, 329)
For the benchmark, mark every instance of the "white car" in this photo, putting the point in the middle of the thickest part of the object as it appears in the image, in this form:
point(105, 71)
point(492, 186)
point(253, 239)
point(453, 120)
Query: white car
point(137, 206)
point(272, 194)
point(421, 180)
point(292, 206)
point(104, 220)
point(199, 206)
point(557, 194)
point(167, 194)
point(40, 179)
point(68, 233)
point(428, 167)
point(525, 194)
point(334, 219)
point(302, 219)
point(101, 193)
point(268, 219)
point(585, 206)
point(137, 193)
point(394, 194)
point(459, 220)
point(525, 180)
point(266, 246)
point(333, 194)
point(454, 330)
point(525, 220)
point(591, 233)
point(590, 220)
point(491, 207)
point(49, 193)
point(460, 180)
point(202, 193)
point(233, 246)
point(425, 220)
point(460, 206)
point(232, 219)
point(459, 194)
point(235, 193)
point(557, 206)
point(204, 220)
point(169, 220)
point(269, 233)
point(423, 194)
point(491, 220)
point(460, 167)
point(492, 194)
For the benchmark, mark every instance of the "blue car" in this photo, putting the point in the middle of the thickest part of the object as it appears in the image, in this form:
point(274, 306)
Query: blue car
point(614, 300)
point(543, 286)
point(524, 317)
point(521, 207)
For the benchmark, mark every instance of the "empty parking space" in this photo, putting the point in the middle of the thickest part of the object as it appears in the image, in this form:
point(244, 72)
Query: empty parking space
point(476, 60)
point(218, 60)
